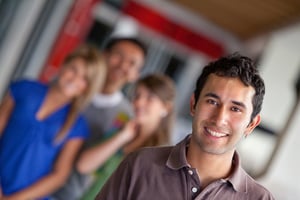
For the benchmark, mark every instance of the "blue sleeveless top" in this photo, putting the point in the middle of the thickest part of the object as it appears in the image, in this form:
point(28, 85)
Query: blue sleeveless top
point(27, 151)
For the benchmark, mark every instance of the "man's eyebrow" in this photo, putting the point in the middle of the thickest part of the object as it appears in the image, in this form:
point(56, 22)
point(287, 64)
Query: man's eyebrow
point(210, 94)
point(213, 95)
point(238, 103)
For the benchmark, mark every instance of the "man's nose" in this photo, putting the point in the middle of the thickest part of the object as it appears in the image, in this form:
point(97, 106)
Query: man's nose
point(221, 116)
point(124, 65)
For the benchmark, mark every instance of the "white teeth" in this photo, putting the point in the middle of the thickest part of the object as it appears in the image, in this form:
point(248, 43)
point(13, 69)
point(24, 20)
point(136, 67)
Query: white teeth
point(216, 134)
point(70, 86)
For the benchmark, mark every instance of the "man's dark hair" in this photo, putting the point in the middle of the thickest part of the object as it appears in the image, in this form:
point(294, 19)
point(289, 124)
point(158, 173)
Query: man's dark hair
point(114, 41)
point(235, 66)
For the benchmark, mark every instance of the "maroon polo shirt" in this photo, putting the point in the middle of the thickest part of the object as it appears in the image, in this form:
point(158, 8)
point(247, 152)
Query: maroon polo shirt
point(163, 173)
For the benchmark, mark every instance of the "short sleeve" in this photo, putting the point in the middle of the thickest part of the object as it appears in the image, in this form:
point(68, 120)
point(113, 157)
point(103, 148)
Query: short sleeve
point(20, 88)
point(80, 129)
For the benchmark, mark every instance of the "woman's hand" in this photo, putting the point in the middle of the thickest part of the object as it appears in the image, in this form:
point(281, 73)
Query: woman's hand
point(129, 131)
point(93, 158)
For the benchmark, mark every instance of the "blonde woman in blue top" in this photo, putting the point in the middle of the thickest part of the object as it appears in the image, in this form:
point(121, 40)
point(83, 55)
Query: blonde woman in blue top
point(42, 129)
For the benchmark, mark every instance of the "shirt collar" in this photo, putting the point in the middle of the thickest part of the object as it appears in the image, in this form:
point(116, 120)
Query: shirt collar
point(238, 178)
point(177, 160)
point(111, 100)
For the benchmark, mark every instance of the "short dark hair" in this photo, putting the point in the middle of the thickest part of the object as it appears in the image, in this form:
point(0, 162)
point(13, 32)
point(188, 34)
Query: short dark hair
point(114, 41)
point(235, 66)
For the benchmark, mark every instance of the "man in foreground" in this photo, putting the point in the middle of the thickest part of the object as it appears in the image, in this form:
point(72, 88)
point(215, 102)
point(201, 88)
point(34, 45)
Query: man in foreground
point(225, 108)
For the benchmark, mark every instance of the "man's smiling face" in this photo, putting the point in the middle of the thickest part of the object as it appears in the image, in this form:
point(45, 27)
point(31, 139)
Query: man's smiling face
point(222, 114)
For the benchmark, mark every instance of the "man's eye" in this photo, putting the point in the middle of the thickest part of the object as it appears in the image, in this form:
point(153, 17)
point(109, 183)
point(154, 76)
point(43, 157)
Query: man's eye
point(132, 63)
point(213, 102)
point(235, 109)
point(116, 53)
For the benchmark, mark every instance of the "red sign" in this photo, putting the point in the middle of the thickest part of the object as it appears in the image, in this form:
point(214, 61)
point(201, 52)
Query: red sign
point(74, 31)
point(169, 28)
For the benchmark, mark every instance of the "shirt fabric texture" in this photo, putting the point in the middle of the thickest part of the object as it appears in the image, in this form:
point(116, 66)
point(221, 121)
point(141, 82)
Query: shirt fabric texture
point(163, 173)
point(27, 149)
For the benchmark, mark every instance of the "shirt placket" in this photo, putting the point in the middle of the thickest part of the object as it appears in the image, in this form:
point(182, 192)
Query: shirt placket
point(193, 182)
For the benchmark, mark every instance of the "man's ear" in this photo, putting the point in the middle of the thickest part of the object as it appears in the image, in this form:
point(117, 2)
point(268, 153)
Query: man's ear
point(254, 123)
point(192, 105)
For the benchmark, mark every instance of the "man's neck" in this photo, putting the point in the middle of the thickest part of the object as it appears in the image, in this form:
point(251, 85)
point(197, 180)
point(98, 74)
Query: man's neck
point(109, 89)
point(210, 167)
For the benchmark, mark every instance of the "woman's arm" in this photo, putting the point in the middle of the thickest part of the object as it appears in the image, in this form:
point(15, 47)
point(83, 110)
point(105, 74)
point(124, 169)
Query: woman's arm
point(56, 178)
point(1, 192)
point(6, 108)
point(94, 157)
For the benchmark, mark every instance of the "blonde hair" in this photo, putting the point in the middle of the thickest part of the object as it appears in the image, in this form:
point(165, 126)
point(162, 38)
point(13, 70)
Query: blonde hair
point(163, 87)
point(96, 73)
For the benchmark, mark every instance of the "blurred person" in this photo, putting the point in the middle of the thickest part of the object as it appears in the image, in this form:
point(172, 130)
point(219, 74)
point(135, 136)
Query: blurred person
point(225, 108)
point(42, 129)
point(153, 104)
point(125, 58)
point(109, 108)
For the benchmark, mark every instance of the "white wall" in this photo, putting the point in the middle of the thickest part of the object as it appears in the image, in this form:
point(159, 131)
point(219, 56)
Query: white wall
point(280, 67)
point(282, 179)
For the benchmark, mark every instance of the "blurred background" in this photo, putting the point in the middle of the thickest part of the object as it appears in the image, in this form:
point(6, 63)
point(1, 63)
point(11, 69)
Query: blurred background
point(182, 36)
